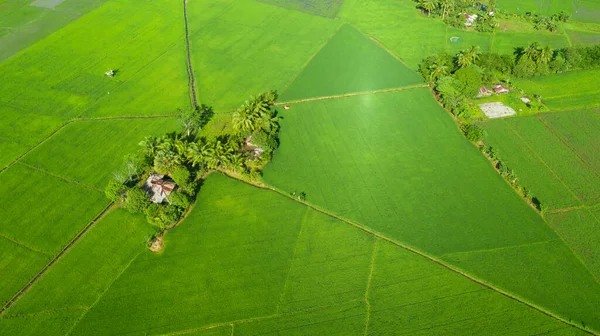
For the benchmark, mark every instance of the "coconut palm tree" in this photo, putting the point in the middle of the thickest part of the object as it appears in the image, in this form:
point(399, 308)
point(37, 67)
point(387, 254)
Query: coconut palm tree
point(545, 55)
point(428, 5)
point(243, 120)
point(150, 145)
point(447, 6)
point(532, 51)
point(438, 70)
point(474, 53)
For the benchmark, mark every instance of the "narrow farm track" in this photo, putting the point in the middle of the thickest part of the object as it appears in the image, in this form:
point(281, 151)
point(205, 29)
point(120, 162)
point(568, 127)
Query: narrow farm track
point(191, 79)
point(54, 260)
point(354, 94)
point(368, 317)
point(429, 257)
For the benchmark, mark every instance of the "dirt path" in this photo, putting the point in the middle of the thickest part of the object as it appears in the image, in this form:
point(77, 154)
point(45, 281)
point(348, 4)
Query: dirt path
point(54, 260)
point(191, 79)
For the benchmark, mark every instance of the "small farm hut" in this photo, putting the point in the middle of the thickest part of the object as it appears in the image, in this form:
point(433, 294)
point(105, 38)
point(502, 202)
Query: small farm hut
point(158, 187)
point(484, 92)
point(470, 19)
point(500, 89)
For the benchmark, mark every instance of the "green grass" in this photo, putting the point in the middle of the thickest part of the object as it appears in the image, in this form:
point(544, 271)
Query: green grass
point(581, 230)
point(88, 269)
point(17, 266)
point(529, 166)
point(396, 163)
point(42, 211)
point(506, 42)
point(62, 77)
point(570, 90)
point(227, 261)
point(326, 8)
point(244, 47)
point(49, 323)
point(344, 319)
point(90, 151)
point(542, 273)
point(543, 7)
point(24, 25)
point(579, 176)
point(328, 253)
point(349, 63)
point(413, 296)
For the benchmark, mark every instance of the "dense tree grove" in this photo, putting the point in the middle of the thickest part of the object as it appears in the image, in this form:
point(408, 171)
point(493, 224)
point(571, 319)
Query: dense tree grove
point(185, 157)
point(456, 78)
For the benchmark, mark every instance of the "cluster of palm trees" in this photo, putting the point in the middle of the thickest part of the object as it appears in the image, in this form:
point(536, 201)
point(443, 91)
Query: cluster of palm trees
point(172, 150)
point(441, 66)
point(447, 6)
point(256, 114)
point(536, 53)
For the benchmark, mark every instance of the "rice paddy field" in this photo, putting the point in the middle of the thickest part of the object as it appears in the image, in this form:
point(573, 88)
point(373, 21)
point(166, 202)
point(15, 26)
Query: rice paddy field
point(406, 228)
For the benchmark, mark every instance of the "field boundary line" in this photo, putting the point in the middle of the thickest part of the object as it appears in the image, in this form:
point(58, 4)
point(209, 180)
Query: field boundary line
point(104, 292)
point(16, 242)
point(571, 149)
point(429, 257)
point(353, 94)
point(65, 179)
point(563, 210)
point(34, 147)
point(382, 46)
point(156, 116)
point(368, 317)
point(500, 248)
point(45, 312)
point(289, 270)
point(305, 65)
point(191, 79)
point(54, 260)
point(254, 319)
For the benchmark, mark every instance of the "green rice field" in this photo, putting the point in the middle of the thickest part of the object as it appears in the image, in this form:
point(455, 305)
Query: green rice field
point(405, 228)
point(358, 283)
point(567, 91)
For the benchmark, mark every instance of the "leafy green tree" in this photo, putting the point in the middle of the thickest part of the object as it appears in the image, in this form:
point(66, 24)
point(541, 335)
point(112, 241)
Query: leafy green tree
point(525, 68)
point(180, 199)
point(428, 5)
point(437, 71)
point(470, 77)
point(115, 191)
point(162, 215)
point(473, 132)
point(447, 5)
point(137, 200)
point(532, 51)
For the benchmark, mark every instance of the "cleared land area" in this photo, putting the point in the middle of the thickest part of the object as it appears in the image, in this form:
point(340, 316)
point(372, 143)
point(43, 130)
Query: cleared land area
point(570, 90)
point(90, 151)
point(312, 275)
point(364, 67)
point(351, 157)
point(277, 43)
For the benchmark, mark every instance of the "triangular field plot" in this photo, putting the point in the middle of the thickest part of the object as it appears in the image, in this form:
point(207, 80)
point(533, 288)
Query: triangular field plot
point(350, 62)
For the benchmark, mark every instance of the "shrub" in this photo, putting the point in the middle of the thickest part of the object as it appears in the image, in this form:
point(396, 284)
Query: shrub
point(472, 132)
point(180, 199)
point(162, 215)
point(115, 191)
point(265, 141)
point(137, 200)
point(470, 77)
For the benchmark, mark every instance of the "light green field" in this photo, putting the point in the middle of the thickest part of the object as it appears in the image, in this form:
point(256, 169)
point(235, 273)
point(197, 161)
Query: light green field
point(44, 212)
point(583, 38)
point(581, 230)
point(349, 63)
point(244, 47)
point(376, 168)
point(547, 159)
point(62, 77)
point(258, 286)
point(570, 90)
point(75, 282)
point(543, 7)
point(22, 25)
point(90, 151)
